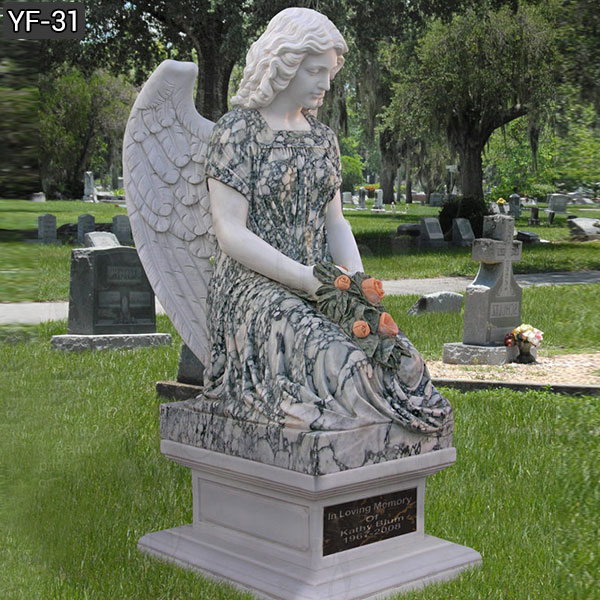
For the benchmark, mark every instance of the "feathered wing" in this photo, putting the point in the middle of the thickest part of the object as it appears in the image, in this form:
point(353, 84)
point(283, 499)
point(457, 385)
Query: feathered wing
point(167, 200)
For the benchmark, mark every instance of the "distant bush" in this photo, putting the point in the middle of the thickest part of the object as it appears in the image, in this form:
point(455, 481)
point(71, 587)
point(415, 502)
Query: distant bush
point(467, 208)
point(351, 173)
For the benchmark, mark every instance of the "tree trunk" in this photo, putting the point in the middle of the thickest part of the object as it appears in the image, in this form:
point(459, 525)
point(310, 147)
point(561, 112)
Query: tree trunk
point(388, 166)
point(408, 179)
point(213, 82)
point(471, 172)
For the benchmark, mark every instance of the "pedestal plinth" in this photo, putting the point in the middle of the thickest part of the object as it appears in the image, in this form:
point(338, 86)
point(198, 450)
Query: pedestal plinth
point(287, 535)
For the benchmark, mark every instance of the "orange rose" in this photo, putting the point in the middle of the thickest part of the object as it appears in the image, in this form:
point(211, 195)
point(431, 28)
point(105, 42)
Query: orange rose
point(373, 290)
point(387, 326)
point(361, 329)
point(342, 283)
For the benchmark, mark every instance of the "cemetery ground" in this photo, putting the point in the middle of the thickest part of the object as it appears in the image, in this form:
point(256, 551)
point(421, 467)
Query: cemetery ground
point(82, 477)
point(37, 273)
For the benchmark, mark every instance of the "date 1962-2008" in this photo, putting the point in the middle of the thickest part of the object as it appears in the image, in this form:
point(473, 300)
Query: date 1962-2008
point(43, 20)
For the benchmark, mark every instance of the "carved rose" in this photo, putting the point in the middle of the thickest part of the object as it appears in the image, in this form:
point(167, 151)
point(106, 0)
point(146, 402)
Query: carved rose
point(387, 326)
point(361, 329)
point(342, 283)
point(373, 290)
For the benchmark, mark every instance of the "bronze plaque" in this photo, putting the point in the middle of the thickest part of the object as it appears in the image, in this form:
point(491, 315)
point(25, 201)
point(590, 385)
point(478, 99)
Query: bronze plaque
point(369, 520)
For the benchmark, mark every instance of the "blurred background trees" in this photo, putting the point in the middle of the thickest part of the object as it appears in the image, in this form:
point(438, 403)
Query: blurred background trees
point(507, 90)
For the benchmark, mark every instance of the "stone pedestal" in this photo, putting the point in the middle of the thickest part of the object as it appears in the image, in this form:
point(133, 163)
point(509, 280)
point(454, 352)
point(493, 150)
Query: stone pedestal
point(286, 535)
point(79, 343)
point(469, 354)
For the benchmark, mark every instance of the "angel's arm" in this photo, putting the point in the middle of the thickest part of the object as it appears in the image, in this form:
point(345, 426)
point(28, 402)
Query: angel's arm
point(229, 212)
point(342, 244)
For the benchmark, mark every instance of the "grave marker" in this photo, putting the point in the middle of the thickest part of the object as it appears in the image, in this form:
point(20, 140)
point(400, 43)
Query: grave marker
point(462, 232)
point(122, 229)
point(89, 189)
point(378, 204)
point(431, 234)
point(47, 229)
point(85, 224)
point(362, 199)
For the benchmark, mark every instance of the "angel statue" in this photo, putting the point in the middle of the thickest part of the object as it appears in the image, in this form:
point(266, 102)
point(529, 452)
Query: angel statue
point(239, 226)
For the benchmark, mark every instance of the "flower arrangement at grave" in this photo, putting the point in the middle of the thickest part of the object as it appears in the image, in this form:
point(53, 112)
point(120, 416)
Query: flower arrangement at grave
point(524, 336)
point(501, 201)
point(354, 303)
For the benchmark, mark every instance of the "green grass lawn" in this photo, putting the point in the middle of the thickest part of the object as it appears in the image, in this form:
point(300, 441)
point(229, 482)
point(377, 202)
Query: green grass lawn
point(30, 272)
point(82, 479)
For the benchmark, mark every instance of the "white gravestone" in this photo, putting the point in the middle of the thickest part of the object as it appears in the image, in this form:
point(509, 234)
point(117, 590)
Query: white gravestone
point(89, 190)
point(436, 198)
point(346, 198)
point(378, 204)
point(47, 229)
point(85, 224)
point(38, 197)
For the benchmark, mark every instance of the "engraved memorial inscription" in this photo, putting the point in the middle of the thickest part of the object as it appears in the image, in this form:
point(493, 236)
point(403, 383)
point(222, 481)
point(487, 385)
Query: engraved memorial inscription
point(361, 522)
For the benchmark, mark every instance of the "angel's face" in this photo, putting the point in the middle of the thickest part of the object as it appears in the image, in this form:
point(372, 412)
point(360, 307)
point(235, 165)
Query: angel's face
point(312, 80)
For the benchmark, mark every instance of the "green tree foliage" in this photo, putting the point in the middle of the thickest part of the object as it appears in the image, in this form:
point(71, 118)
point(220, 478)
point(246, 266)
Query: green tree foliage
point(567, 161)
point(351, 172)
point(19, 100)
point(82, 123)
point(474, 74)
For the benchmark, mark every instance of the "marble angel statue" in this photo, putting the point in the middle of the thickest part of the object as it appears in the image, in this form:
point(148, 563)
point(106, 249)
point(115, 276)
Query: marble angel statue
point(231, 220)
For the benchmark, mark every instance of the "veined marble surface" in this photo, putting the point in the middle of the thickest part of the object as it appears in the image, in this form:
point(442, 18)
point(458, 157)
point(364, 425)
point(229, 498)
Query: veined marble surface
point(312, 452)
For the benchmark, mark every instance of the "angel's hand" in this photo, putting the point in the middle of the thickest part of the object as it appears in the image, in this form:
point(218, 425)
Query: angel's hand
point(311, 284)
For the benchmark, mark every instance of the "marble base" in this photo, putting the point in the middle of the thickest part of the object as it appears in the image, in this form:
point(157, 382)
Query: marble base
point(468, 354)
point(266, 529)
point(190, 422)
point(78, 343)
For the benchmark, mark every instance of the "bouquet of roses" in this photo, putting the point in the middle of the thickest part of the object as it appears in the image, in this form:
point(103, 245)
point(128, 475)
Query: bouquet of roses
point(523, 333)
point(354, 303)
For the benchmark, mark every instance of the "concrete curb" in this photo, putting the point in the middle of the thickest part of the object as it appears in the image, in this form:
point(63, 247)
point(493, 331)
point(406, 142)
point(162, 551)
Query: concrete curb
point(469, 385)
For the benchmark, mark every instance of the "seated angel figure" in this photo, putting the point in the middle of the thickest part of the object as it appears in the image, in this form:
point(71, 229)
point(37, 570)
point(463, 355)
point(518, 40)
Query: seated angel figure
point(274, 174)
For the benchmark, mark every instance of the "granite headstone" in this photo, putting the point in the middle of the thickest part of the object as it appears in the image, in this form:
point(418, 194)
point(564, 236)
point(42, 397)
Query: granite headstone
point(47, 229)
point(462, 232)
point(431, 235)
point(122, 229)
point(109, 293)
point(85, 224)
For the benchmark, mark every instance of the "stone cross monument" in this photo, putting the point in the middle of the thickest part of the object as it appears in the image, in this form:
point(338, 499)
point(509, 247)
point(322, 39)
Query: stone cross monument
point(493, 300)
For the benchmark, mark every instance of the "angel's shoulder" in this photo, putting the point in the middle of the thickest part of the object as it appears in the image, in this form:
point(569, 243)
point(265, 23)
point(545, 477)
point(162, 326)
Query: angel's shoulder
point(238, 125)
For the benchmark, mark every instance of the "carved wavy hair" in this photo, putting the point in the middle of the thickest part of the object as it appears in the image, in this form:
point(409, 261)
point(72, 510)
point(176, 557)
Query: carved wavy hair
point(272, 61)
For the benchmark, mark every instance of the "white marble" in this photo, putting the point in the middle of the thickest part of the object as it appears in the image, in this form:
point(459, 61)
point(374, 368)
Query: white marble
point(261, 528)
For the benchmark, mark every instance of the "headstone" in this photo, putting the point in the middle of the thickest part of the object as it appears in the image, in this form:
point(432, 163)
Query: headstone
point(346, 198)
point(85, 224)
point(584, 230)
point(534, 217)
point(109, 293)
point(462, 232)
point(378, 204)
point(89, 190)
point(436, 199)
point(47, 229)
point(122, 229)
point(120, 183)
point(362, 199)
point(431, 235)
point(100, 239)
point(494, 208)
point(191, 370)
point(38, 197)
point(493, 300)
point(514, 202)
point(439, 302)
point(557, 203)
point(528, 237)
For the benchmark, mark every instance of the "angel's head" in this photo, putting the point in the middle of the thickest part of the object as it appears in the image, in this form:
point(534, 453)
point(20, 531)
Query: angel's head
point(272, 62)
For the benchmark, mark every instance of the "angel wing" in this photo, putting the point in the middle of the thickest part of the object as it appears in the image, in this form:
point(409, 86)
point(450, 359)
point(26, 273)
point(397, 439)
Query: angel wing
point(167, 200)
